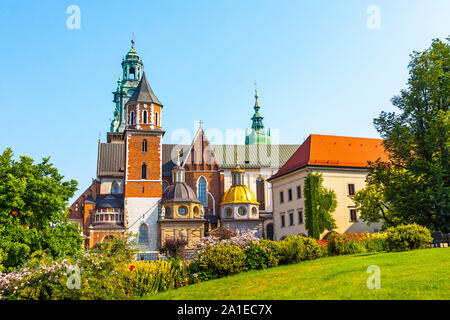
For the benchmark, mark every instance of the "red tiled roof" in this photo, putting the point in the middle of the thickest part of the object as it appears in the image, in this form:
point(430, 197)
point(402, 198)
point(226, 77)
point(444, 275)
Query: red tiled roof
point(336, 151)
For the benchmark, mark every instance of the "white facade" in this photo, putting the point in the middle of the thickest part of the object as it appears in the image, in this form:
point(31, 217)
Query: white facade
point(140, 211)
point(337, 179)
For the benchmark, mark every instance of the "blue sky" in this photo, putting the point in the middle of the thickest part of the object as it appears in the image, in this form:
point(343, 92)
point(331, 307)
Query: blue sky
point(318, 67)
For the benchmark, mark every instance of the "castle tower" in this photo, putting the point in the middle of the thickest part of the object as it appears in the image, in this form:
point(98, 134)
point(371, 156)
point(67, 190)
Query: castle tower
point(257, 135)
point(142, 178)
point(132, 69)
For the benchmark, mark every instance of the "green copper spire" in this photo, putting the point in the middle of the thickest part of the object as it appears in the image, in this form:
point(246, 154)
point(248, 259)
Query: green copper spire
point(257, 118)
point(258, 134)
point(132, 68)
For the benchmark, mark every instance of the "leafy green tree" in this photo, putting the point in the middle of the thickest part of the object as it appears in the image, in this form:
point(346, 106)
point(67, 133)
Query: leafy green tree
point(320, 203)
point(33, 211)
point(413, 186)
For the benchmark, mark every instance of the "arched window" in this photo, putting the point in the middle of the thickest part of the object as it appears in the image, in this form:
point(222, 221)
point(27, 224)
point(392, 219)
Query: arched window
point(144, 171)
point(143, 233)
point(132, 117)
point(201, 191)
point(156, 118)
point(114, 188)
point(131, 75)
point(261, 193)
point(144, 120)
point(144, 145)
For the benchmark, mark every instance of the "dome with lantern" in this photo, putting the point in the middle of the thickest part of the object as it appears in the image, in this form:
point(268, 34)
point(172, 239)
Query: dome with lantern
point(179, 201)
point(239, 202)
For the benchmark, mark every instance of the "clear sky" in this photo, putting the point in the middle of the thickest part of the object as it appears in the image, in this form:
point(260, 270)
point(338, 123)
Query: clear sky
point(319, 67)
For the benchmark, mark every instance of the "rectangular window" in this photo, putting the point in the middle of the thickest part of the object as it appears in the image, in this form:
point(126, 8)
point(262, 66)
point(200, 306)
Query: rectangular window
point(353, 217)
point(290, 194)
point(144, 171)
point(291, 219)
point(351, 189)
point(281, 197)
point(300, 216)
point(283, 223)
point(299, 192)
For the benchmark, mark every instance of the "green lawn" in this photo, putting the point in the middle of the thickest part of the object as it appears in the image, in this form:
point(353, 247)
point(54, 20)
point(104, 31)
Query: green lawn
point(419, 274)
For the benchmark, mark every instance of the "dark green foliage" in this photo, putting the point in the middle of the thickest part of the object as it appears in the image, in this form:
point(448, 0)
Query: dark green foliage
point(414, 185)
point(320, 203)
point(336, 243)
point(219, 261)
point(261, 255)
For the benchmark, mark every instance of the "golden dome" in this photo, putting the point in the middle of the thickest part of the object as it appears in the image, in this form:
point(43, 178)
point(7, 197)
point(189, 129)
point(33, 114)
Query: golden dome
point(239, 194)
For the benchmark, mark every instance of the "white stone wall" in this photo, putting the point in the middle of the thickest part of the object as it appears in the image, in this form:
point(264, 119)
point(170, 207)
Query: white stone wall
point(336, 179)
point(250, 208)
point(248, 225)
point(143, 210)
point(105, 185)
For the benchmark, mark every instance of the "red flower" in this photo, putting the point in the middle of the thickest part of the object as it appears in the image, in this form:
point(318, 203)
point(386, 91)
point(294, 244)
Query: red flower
point(132, 268)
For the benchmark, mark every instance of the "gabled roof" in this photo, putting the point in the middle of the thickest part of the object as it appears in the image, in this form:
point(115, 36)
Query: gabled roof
point(144, 92)
point(110, 159)
point(334, 151)
point(198, 140)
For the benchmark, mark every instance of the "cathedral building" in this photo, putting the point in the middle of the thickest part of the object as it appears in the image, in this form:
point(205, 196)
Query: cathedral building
point(159, 191)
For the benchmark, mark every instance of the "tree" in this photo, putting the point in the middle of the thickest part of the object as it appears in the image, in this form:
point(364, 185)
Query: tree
point(319, 205)
point(413, 186)
point(33, 211)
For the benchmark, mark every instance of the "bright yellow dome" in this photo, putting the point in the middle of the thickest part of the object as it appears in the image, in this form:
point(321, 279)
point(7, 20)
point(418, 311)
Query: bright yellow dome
point(239, 194)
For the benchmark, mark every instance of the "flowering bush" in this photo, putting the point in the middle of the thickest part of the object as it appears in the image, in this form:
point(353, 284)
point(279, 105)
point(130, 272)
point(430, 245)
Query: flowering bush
point(41, 278)
point(242, 240)
point(154, 276)
point(313, 249)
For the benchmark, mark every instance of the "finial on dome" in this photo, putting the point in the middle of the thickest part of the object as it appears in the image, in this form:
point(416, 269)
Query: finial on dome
point(256, 95)
point(178, 156)
point(236, 157)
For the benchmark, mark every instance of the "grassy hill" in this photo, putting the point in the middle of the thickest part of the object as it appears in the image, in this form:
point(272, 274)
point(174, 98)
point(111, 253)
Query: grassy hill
point(419, 274)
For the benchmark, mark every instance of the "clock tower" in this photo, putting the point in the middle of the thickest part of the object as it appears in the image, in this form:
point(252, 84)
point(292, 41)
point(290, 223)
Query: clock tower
point(143, 170)
point(132, 68)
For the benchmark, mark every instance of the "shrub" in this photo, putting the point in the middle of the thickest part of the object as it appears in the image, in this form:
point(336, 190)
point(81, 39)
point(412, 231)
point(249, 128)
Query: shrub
point(174, 247)
point(148, 277)
point(408, 237)
point(336, 243)
point(261, 255)
point(40, 279)
point(354, 247)
point(218, 261)
point(242, 240)
point(292, 249)
point(377, 242)
point(313, 249)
